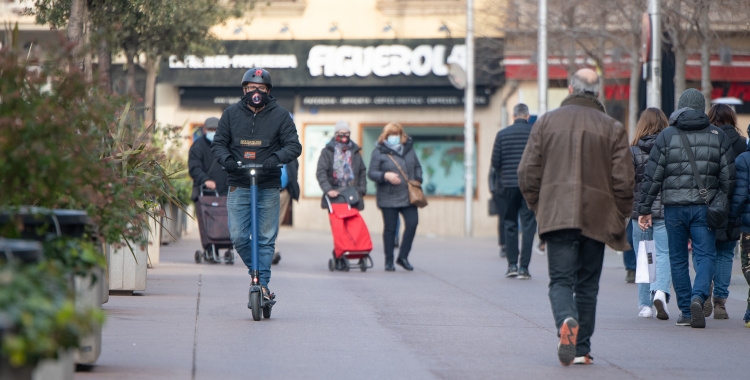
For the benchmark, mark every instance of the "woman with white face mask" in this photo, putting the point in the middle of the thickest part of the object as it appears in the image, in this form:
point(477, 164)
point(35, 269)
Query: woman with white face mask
point(393, 158)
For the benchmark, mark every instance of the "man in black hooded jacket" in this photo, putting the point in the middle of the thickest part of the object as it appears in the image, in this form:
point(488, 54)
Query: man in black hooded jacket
point(255, 130)
point(669, 171)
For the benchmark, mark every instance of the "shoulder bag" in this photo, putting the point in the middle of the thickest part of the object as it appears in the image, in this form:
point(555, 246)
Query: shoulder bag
point(416, 196)
point(718, 208)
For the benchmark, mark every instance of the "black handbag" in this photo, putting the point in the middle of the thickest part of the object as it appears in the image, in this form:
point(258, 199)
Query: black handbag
point(350, 194)
point(718, 208)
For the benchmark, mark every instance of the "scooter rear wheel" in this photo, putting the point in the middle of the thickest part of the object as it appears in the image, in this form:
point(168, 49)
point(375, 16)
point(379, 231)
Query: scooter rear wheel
point(255, 305)
point(198, 257)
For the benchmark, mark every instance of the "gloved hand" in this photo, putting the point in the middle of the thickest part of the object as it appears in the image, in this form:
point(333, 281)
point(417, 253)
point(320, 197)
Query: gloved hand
point(230, 165)
point(271, 162)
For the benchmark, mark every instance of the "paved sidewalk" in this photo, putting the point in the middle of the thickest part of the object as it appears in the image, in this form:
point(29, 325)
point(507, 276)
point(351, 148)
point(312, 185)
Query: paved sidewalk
point(454, 317)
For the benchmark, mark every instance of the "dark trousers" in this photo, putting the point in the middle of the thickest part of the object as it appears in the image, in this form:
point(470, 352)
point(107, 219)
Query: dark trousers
point(390, 220)
point(575, 265)
point(628, 257)
point(500, 204)
point(515, 206)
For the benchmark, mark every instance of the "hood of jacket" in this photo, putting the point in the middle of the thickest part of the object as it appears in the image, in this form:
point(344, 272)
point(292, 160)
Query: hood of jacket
point(353, 146)
point(689, 119)
point(731, 132)
point(647, 142)
point(407, 146)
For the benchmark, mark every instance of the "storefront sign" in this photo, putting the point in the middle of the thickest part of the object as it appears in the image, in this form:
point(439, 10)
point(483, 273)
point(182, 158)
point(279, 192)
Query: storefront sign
point(383, 60)
point(329, 63)
point(389, 100)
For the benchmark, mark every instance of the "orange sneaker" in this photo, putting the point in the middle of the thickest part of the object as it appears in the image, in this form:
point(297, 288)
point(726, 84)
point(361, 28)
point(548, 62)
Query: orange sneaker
point(566, 349)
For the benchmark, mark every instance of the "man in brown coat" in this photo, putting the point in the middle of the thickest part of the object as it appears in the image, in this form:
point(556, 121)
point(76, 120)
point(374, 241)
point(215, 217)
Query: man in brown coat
point(576, 174)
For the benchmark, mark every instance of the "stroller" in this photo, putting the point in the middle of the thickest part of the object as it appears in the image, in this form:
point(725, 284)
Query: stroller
point(351, 238)
point(211, 211)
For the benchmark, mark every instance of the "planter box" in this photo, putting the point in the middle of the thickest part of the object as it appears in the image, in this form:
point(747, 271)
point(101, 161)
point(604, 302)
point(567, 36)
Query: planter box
point(128, 273)
point(171, 224)
point(89, 295)
point(61, 369)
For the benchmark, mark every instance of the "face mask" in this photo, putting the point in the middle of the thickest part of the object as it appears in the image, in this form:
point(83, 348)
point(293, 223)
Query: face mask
point(210, 136)
point(394, 139)
point(342, 139)
point(255, 99)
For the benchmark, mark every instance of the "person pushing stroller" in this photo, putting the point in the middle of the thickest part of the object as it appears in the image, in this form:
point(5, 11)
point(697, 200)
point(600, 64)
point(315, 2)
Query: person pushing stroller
point(255, 130)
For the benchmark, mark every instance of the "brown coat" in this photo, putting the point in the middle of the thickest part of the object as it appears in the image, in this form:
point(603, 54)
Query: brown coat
point(577, 172)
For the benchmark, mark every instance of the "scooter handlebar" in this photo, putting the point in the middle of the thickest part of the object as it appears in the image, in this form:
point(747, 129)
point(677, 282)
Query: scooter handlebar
point(252, 166)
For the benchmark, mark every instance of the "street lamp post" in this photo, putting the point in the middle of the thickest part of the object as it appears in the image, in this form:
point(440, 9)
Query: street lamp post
point(469, 120)
point(542, 80)
point(653, 97)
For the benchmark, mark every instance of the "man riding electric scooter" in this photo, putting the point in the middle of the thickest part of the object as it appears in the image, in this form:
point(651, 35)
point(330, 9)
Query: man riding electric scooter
point(255, 130)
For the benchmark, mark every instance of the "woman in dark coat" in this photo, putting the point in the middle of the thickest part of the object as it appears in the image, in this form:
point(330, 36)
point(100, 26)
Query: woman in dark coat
point(722, 116)
point(341, 166)
point(394, 153)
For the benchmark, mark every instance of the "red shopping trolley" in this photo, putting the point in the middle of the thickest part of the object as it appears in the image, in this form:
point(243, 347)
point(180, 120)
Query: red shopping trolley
point(351, 238)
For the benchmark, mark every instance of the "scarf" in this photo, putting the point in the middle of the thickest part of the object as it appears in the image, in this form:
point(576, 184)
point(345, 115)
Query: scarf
point(398, 148)
point(343, 175)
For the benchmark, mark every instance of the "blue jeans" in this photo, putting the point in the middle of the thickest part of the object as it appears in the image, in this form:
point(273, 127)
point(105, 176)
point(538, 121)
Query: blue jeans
point(628, 257)
point(663, 272)
point(685, 222)
point(238, 207)
point(723, 268)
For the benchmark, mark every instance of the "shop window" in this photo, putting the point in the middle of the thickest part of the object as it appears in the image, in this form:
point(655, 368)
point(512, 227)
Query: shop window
point(440, 150)
point(421, 7)
point(314, 139)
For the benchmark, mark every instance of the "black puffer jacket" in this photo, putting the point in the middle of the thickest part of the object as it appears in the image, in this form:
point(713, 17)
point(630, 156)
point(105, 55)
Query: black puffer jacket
point(668, 169)
point(252, 138)
point(640, 154)
point(508, 149)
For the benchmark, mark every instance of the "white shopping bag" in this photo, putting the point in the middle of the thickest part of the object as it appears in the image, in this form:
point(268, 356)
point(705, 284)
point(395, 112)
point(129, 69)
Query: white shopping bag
point(645, 270)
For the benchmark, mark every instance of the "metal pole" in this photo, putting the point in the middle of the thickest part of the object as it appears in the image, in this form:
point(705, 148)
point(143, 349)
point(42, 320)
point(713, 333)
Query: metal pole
point(469, 119)
point(542, 79)
point(653, 98)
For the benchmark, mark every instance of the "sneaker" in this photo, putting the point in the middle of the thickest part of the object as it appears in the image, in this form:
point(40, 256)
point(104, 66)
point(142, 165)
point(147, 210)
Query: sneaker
point(523, 273)
point(660, 304)
point(747, 318)
point(630, 276)
point(646, 312)
point(697, 319)
point(267, 293)
point(512, 271)
point(683, 321)
point(276, 258)
point(583, 360)
point(566, 348)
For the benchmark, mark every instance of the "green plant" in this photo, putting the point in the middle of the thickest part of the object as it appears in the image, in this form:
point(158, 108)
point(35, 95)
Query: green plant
point(78, 256)
point(37, 304)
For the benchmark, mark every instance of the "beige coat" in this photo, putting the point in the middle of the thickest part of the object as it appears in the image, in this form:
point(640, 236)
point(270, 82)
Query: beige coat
point(577, 172)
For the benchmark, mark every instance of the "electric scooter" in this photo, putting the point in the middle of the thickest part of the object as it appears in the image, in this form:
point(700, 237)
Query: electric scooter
point(256, 302)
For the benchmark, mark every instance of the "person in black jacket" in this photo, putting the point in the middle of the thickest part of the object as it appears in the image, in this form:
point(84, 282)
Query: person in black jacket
point(289, 192)
point(685, 210)
point(255, 130)
point(202, 165)
point(741, 209)
point(653, 297)
point(506, 155)
point(722, 116)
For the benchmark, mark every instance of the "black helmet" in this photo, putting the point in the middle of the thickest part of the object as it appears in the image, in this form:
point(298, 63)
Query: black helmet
point(259, 76)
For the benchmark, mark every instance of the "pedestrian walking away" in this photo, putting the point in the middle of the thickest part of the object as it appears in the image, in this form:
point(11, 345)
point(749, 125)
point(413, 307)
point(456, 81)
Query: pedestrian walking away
point(577, 175)
point(741, 208)
point(669, 171)
point(654, 297)
point(289, 192)
point(722, 116)
point(202, 165)
point(506, 155)
point(255, 130)
point(341, 172)
point(392, 160)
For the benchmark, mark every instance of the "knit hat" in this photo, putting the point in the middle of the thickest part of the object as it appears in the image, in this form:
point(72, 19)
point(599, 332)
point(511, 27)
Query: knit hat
point(211, 123)
point(692, 98)
point(342, 126)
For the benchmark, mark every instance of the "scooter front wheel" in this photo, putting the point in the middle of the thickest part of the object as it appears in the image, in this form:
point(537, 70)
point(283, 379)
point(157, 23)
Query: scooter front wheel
point(267, 312)
point(255, 305)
